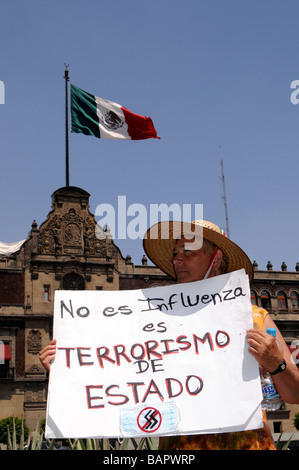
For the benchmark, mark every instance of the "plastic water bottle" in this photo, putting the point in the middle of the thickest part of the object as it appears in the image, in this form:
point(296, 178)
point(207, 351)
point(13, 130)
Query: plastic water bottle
point(271, 398)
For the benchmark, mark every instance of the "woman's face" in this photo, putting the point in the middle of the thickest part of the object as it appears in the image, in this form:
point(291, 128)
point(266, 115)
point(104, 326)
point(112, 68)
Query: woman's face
point(189, 265)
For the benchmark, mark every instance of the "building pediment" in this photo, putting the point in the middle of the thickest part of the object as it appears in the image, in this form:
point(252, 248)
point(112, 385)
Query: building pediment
point(70, 228)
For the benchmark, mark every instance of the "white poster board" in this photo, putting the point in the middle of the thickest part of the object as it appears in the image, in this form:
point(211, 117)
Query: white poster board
point(159, 361)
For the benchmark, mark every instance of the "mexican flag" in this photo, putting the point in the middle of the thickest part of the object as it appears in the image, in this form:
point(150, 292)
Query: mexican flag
point(107, 120)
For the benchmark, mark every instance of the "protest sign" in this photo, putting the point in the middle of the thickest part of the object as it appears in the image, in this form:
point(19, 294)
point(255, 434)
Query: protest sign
point(158, 361)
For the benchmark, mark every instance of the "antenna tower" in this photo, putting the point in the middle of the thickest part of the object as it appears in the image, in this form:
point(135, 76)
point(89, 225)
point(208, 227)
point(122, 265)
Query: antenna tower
point(224, 198)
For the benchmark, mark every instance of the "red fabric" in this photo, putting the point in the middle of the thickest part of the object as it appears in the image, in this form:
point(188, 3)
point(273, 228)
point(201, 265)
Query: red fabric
point(139, 127)
point(5, 351)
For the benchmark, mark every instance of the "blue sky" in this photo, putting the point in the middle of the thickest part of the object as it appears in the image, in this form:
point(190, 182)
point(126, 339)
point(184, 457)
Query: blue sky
point(214, 75)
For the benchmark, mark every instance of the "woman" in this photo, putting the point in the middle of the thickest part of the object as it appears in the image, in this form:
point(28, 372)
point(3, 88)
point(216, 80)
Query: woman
point(199, 251)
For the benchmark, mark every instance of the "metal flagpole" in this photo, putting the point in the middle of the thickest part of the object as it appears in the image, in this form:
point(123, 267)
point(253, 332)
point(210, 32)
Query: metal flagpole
point(67, 170)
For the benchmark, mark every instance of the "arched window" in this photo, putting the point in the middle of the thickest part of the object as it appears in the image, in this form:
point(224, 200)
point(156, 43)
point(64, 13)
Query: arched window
point(73, 281)
point(253, 297)
point(294, 298)
point(265, 299)
point(281, 300)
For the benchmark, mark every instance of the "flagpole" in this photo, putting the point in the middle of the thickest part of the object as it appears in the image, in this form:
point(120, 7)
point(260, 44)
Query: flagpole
point(67, 171)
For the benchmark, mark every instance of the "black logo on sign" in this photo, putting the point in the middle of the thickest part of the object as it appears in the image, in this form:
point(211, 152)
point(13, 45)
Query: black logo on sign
point(149, 420)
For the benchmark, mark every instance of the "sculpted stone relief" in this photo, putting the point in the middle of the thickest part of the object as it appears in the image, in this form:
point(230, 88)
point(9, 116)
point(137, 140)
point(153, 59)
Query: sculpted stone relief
point(71, 232)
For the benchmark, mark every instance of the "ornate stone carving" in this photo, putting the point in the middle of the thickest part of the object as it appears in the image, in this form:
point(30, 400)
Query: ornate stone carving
point(50, 237)
point(34, 344)
point(35, 370)
point(71, 233)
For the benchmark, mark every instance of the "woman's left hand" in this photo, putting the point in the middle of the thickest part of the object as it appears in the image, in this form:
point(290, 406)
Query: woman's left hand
point(264, 348)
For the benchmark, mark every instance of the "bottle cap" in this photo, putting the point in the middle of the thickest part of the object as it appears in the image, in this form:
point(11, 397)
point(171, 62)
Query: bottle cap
point(271, 331)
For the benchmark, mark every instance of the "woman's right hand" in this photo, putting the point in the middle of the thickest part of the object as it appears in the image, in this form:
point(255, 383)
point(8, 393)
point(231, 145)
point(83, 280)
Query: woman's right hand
point(47, 355)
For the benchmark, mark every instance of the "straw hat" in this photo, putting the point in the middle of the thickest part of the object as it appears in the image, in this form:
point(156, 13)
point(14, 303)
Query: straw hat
point(159, 242)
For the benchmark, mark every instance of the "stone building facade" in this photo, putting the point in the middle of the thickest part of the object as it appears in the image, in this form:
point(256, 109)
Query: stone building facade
point(278, 293)
point(64, 252)
point(69, 251)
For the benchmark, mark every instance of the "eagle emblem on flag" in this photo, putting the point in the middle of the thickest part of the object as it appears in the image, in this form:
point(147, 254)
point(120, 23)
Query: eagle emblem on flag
point(111, 120)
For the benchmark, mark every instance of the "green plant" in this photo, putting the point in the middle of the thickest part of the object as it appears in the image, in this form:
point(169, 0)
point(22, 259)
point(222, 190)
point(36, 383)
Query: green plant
point(145, 443)
point(296, 421)
point(285, 446)
point(15, 434)
point(42, 425)
point(13, 428)
point(37, 440)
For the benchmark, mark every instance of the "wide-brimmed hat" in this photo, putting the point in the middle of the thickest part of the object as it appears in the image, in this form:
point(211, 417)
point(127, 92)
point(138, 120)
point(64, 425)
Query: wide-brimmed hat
point(159, 242)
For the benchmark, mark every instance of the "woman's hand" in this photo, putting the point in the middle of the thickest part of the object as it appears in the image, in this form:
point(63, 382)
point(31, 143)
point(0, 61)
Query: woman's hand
point(47, 355)
point(269, 354)
point(264, 348)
